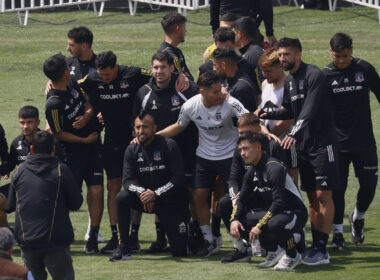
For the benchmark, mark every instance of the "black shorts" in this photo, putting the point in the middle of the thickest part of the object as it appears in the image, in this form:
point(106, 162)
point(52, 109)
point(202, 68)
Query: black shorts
point(207, 170)
point(319, 169)
point(113, 158)
point(364, 160)
point(86, 165)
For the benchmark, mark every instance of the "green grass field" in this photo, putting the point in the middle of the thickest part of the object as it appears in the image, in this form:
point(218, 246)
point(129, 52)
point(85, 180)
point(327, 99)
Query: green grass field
point(134, 40)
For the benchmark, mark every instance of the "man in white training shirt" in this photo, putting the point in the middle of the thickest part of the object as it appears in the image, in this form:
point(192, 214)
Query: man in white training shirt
point(214, 116)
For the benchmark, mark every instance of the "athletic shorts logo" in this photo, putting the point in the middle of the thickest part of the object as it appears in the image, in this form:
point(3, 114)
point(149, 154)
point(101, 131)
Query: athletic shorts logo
point(124, 85)
point(218, 117)
point(300, 85)
point(359, 77)
point(157, 156)
point(175, 101)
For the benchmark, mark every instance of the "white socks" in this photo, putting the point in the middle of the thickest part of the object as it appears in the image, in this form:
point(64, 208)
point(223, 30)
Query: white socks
point(337, 228)
point(358, 215)
point(239, 244)
point(207, 233)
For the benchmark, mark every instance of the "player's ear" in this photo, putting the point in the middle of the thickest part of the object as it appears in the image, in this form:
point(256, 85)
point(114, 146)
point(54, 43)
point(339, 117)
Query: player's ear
point(171, 67)
point(155, 128)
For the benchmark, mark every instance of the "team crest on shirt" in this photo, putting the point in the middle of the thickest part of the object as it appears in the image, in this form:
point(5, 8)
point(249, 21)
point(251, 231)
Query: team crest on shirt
point(75, 94)
point(19, 147)
point(124, 84)
point(218, 117)
point(300, 85)
point(359, 77)
point(175, 100)
point(157, 156)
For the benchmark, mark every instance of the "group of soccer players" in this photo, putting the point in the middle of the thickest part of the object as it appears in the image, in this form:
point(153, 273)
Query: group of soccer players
point(239, 138)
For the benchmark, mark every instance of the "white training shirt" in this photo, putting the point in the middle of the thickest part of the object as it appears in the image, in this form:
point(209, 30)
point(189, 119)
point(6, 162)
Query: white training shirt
point(217, 133)
point(271, 100)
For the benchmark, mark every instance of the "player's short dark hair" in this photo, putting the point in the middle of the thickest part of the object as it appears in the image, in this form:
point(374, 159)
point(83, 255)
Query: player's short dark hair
point(170, 20)
point(163, 56)
point(229, 17)
point(7, 239)
point(290, 42)
point(143, 113)
point(247, 26)
point(224, 34)
point(55, 66)
point(248, 119)
point(227, 53)
point(43, 142)
point(105, 59)
point(253, 137)
point(340, 41)
point(81, 35)
point(207, 79)
point(28, 112)
point(269, 58)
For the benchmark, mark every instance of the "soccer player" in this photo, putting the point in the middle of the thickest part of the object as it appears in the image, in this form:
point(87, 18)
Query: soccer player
point(349, 82)
point(70, 118)
point(163, 101)
point(112, 90)
point(269, 207)
point(306, 100)
point(271, 100)
point(248, 39)
point(238, 84)
point(246, 123)
point(153, 179)
point(174, 26)
point(4, 155)
point(213, 115)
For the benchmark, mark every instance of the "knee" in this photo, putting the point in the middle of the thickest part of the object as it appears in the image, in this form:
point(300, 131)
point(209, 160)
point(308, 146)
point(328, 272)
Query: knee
point(224, 204)
point(96, 191)
point(324, 197)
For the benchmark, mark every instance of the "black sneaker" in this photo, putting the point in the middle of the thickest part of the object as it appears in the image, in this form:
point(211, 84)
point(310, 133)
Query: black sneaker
point(134, 246)
point(236, 256)
point(111, 246)
point(338, 243)
point(157, 247)
point(195, 239)
point(207, 249)
point(121, 253)
point(357, 233)
point(301, 246)
point(91, 245)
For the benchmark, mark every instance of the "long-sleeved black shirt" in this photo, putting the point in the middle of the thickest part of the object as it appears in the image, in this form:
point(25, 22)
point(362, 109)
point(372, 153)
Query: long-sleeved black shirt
point(164, 104)
point(239, 168)
point(349, 94)
point(306, 99)
point(178, 58)
point(4, 155)
point(243, 89)
point(79, 68)
point(157, 167)
point(115, 101)
point(252, 52)
point(268, 186)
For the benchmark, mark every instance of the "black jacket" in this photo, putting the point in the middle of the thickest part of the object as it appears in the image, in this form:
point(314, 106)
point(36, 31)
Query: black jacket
point(42, 192)
point(4, 155)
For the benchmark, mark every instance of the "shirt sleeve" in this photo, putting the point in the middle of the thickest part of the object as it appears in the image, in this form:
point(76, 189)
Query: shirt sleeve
point(54, 114)
point(285, 112)
point(238, 211)
point(176, 170)
point(130, 172)
point(184, 117)
point(5, 157)
point(374, 81)
point(237, 107)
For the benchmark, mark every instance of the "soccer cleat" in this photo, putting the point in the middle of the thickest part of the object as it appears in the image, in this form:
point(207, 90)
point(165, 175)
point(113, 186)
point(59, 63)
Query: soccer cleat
point(91, 246)
point(111, 246)
point(236, 256)
point(121, 253)
point(134, 246)
point(315, 256)
point(272, 257)
point(357, 233)
point(207, 249)
point(287, 263)
point(338, 243)
point(157, 247)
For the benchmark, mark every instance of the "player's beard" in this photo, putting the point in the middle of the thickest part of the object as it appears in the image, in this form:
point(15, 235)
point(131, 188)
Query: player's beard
point(288, 65)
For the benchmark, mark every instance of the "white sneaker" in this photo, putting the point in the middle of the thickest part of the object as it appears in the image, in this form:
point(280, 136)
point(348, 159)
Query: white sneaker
point(287, 263)
point(273, 257)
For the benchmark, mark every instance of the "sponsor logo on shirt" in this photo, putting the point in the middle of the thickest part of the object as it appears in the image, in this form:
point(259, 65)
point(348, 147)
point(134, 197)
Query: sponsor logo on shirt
point(157, 156)
point(152, 168)
point(301, 84)
point(175, 100)
point(359, 77)
point(114, 96)
point(124, 85)
point(74, 113)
